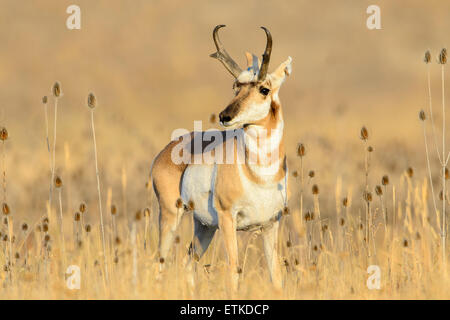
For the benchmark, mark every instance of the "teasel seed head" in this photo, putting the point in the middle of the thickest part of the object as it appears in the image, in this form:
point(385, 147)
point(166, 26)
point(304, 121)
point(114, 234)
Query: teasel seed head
point(213, 118)
point(44, 99)
point(422, 115)
point(24, 227)
point(307, 216)
point(288, 243)
point(56, 89)
point(177, 239)
point(5, 209)
point(364, 134)
point(17, 255)
point(179, 203)
point(301, 151)
point(91, 101)
point(345, 202)
point(285, 211)
point(117, 240)
point(3, 134)
point(82, 207)
point(311, 174)
point(58, 182)
point(405, 243)
point(47, 238)
point(378, 190)
point(46, 220)
point(410, 172)
point(324, 228)
point(385, 180)
point(113, 210)
point(370, 149)
point(441, 196)
point(77, 216)
point(88, 228)
point(191, 205)
point(443, 56)
point(427, 57)
point(138, 215)
point(45, 227)
point(315, 189)
point(342, 222)
point(446, 173)
point(147, 212)
point(295, 174)
point(367, 196)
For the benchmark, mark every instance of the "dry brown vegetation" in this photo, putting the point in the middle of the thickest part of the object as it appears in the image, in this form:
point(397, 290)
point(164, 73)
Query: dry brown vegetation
point(152, 74)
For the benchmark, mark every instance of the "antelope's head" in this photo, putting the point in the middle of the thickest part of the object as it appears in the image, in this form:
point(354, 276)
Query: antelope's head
point(256, 91)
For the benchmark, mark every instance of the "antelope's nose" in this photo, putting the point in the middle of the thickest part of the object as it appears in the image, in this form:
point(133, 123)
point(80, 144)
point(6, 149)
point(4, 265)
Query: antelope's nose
point(223, 117)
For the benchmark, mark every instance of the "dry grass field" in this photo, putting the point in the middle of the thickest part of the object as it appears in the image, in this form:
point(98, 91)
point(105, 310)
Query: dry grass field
point(147, 63)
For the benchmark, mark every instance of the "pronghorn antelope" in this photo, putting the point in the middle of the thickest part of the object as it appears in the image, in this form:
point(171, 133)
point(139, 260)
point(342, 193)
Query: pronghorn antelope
point(230, 195)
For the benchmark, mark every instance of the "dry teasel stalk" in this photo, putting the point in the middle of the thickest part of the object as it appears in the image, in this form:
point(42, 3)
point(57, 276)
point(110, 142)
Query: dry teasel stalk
point(378, 190)
point(364, 134)
point(3, 134)
point(345, 202)
point(301, 151)
point(179, 203)
point(138, 215)
point(91, 101)
point(315, 189)
point(443, 56)
point(58, 182)
point(191, 205)
point(410, 172)
point(427, 57)
point(5, 209)
point(422, 115)
point(367, 196)
point(56, 89)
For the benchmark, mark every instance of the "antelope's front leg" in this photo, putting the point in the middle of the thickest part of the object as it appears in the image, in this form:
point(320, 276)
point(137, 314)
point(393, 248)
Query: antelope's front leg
point(227, 224)
point(270, 239)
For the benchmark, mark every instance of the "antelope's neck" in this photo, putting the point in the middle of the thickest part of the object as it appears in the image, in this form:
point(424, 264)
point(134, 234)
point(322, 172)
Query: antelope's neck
point(264, 149)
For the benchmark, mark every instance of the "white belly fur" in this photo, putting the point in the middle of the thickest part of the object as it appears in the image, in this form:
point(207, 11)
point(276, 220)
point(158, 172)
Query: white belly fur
point(257, 206)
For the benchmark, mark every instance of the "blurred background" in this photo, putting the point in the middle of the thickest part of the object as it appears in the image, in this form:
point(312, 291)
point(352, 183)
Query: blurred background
point(148, 64)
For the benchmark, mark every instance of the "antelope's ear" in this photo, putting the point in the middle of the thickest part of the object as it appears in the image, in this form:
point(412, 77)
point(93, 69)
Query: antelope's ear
point(279, 75)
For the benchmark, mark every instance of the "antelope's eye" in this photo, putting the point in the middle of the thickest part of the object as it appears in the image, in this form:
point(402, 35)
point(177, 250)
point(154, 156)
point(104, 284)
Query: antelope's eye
point(264, 91)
